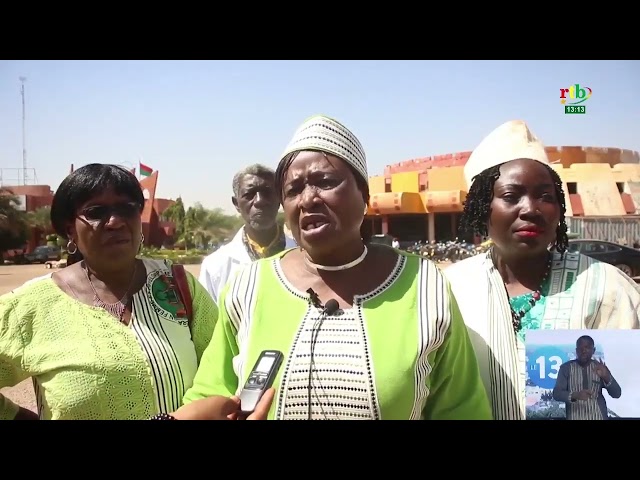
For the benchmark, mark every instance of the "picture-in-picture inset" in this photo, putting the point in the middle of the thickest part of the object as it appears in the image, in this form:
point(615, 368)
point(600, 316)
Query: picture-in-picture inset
point(583, 374)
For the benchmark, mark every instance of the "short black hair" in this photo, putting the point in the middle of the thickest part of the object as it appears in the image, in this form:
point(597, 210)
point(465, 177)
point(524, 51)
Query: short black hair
point(86, 182)
point(361, 183)
point(74, 258)
point(477, 206)
point(587, 338)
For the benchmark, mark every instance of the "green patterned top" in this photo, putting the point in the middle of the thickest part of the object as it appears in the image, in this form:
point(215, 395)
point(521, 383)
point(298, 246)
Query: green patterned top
point(85, 365)
point(401, 352)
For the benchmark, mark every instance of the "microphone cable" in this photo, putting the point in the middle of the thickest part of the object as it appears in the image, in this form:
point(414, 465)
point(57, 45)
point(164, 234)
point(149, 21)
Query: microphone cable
point(329, 309)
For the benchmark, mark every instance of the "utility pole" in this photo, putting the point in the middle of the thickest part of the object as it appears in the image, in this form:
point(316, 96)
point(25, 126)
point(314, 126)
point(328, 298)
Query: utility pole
point(24, 136)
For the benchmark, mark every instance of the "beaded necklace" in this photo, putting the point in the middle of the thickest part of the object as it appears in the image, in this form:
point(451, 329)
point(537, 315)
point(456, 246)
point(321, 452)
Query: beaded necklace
point(118, 308)
point(535, 295)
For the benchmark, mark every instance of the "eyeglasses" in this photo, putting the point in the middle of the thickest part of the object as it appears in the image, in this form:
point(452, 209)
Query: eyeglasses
point(102, 213)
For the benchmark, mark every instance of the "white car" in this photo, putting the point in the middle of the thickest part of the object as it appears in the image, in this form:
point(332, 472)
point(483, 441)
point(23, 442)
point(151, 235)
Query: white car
point(56, 263)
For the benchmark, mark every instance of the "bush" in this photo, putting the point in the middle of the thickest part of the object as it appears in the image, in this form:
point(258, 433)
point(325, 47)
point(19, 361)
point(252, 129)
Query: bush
point(52, 240)
point(188, 257)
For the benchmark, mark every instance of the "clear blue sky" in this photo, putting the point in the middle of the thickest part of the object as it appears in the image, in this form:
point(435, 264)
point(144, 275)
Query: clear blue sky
point(198, 122)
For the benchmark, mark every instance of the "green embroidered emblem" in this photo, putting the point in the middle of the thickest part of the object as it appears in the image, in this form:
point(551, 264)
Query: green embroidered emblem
point(165, 298)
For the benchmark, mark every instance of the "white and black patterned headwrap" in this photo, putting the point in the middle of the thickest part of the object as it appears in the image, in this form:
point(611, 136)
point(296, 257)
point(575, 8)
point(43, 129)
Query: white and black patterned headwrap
point(330, 136)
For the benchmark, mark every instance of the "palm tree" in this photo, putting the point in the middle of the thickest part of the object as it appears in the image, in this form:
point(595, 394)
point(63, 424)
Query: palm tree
point(13, 224)
point(40, 221)
point(203, 226)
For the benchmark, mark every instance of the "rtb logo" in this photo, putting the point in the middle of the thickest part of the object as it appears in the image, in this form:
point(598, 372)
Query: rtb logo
point(576, 93)
point(573, 96)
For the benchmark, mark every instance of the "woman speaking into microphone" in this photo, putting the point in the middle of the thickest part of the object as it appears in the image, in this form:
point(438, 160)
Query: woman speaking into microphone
point(366, 331)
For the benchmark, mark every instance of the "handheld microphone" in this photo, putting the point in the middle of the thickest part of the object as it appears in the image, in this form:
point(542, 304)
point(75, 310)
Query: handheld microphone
point(331, 307)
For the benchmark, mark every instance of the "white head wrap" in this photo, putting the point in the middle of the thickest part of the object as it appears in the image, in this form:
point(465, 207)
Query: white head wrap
point(510, 141)
point(328, 135)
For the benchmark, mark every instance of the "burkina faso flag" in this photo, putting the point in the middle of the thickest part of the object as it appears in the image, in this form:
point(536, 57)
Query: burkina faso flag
point(145, 170)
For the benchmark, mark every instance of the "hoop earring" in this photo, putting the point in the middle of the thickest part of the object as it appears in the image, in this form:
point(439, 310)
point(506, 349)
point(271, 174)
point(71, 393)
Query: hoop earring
point(71, 244)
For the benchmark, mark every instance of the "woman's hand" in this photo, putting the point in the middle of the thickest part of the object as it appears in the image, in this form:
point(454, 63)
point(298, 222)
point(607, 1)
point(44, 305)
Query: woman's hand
point(223, 408)
point(262, 408)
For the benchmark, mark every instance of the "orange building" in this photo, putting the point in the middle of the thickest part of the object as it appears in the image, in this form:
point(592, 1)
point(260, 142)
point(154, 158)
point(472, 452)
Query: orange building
point(32, 197)
point(156, 230)
point(422, 199)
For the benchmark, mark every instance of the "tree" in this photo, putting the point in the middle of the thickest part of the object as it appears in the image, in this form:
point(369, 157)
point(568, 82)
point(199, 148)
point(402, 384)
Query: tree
point(554, 410)
point(547, 396)
point(40, 221)
point(203, 226)
point(175, 213)
point(13, 222)
point(199, 226)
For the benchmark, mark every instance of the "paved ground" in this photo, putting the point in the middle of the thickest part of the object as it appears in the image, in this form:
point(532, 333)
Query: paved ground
point(12, 276)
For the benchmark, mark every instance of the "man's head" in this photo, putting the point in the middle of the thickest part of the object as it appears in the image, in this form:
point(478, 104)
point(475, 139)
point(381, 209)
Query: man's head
point(585, 348)
point(255, 198)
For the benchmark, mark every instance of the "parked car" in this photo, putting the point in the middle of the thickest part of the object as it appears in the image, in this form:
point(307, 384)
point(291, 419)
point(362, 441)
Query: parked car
point(43, 253)
point(15, 256)
point(381, 238)
point(56, 263)
point(625, 258)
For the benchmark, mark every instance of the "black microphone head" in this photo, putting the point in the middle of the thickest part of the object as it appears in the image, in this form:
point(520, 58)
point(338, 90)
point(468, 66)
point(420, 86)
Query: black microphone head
point(331, 307)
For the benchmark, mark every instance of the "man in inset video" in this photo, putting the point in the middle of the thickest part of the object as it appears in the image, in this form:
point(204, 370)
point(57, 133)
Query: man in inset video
point(580, 383)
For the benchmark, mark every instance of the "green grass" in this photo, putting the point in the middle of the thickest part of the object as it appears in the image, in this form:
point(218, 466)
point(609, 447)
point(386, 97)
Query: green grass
point(186, 257)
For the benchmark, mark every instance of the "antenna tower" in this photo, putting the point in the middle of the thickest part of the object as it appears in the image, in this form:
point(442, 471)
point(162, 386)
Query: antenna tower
point(24, 136)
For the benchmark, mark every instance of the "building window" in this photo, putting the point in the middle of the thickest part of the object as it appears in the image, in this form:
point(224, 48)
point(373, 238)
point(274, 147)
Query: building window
point(572, 187)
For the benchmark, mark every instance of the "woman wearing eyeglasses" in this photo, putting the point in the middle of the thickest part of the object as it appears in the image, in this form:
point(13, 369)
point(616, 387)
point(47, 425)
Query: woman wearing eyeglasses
point(107, 337)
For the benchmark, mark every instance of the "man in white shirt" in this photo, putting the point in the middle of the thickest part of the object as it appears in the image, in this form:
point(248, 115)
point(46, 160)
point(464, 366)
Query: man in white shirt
point(256, 200)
